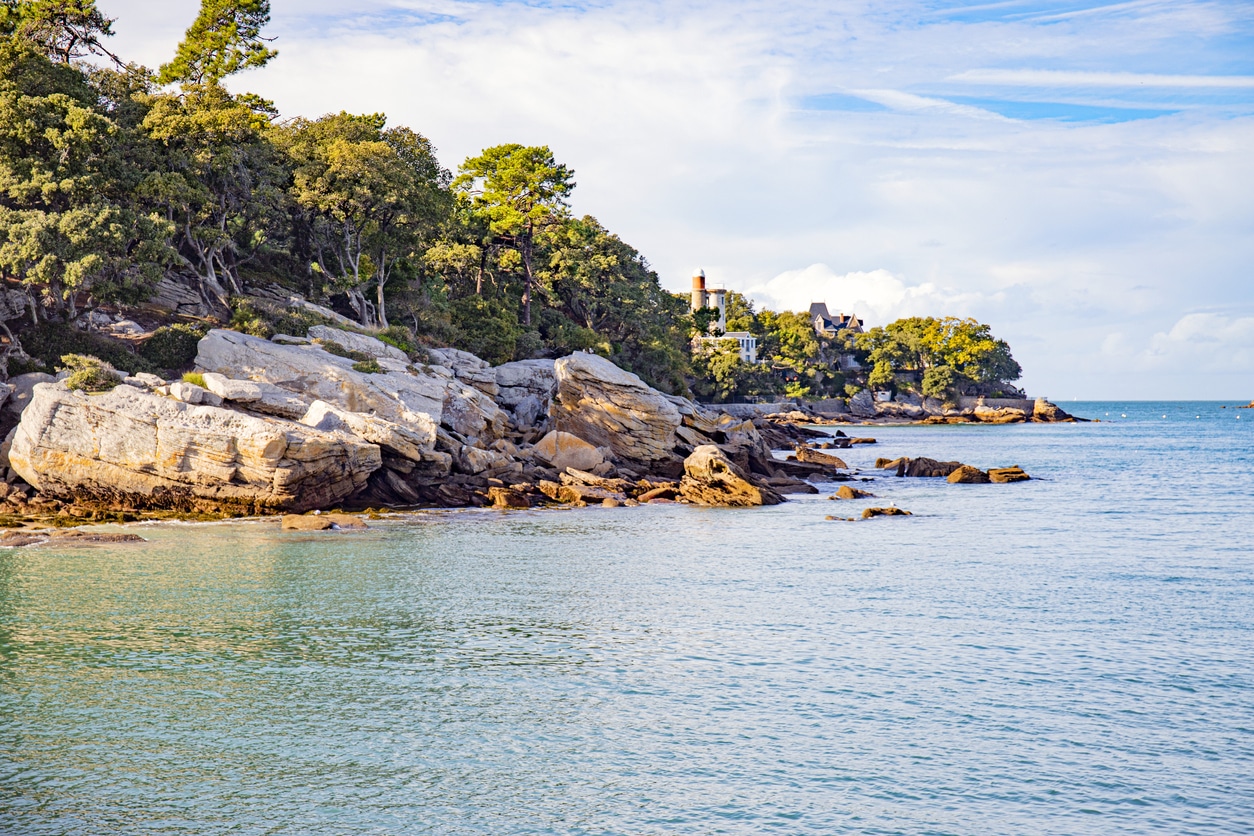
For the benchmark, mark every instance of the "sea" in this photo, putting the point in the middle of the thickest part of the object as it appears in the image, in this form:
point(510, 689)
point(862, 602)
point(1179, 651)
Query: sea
point(1069, 655)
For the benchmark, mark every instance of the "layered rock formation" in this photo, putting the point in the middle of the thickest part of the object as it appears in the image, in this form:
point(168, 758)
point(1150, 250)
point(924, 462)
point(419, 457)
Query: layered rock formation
point(133, 449)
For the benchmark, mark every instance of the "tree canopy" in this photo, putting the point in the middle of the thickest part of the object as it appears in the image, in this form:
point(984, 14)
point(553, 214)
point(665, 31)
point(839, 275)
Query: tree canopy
point(224, 39)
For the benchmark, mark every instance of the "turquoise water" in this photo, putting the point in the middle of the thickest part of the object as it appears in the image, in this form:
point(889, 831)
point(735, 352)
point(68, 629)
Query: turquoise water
point(1068, 655)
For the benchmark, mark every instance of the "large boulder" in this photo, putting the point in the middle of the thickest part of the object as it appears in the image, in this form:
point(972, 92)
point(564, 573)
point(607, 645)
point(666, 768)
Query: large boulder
point(256, 397)
point(1047, 413)
point(130, 448)
point(563, 450)
point(968, 475)
point(467, 368)
point(608, 407)
point(311, 373)
point(710, 478)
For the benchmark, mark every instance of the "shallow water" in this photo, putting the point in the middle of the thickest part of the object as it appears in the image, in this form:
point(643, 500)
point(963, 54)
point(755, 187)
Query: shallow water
point(1068, 655)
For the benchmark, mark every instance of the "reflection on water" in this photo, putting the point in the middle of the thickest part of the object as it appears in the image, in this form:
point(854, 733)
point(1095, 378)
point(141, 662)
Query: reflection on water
point(1067, 655)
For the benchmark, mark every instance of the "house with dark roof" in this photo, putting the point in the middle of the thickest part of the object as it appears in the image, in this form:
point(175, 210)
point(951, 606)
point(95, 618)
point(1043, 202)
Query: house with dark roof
point(826, 325)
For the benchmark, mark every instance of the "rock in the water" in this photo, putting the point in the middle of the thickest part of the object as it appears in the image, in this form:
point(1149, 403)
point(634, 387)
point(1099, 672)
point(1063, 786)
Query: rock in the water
point(608, 407)
point(129, 448)
point(563, 450)
point(1000, 415)
point(322, 522)
point(1008, 474)
point(508, 498)
point(812, 456)
point(710, 478)
point(968, 475)
point(885, 512)
point(846, 492)
point(1047, 413)
point(922, 467)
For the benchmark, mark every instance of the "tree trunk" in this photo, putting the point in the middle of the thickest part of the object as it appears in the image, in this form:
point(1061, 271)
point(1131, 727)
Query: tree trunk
point(381, 311)
point(526, 254)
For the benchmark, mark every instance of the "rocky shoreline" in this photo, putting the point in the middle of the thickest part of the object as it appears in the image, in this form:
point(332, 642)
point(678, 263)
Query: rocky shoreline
point(341, 420)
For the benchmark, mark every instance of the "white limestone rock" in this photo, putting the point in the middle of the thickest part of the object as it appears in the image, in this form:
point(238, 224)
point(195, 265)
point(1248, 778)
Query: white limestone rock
point(414, 441)
point(190, 393)
point(562, 450)
point(128, 447)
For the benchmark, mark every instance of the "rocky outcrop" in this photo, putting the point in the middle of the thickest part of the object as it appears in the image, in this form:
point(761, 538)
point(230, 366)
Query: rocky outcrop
point(361, 343)
point(968, 475)
point(1044, 412)
point(999, 415)
point(922, 467)
point(132, 449)
point(812, 456)
point(1002, 475)
point(710, 478)
point(862, 404)
point(846, 492)
point(608, 407)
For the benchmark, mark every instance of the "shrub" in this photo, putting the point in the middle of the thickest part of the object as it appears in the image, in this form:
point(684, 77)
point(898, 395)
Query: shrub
point(251, 316)
point(370, 366)
point(48, 342)
point(332, 347)
point(172, 347)
point(398, 336)
point(89, 374)
point(195, 378)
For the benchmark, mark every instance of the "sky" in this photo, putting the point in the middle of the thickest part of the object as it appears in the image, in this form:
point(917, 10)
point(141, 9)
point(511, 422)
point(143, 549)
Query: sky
point(1077, 174)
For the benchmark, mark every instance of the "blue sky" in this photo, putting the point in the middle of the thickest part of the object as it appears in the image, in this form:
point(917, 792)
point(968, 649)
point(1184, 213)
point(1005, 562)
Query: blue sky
point(1078, 174)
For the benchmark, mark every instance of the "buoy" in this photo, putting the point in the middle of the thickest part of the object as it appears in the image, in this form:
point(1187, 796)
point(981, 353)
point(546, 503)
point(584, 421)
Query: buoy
point(1125, 415)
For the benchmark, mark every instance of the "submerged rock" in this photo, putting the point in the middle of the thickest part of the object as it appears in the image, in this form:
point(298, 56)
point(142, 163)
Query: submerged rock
point(885, 512)
point(130, 448)
point(322, 522)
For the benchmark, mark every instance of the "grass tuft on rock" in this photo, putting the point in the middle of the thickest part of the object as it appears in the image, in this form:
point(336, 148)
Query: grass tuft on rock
point(332, 347)
point(196, 379)
point(89, 374)
point(370, 366)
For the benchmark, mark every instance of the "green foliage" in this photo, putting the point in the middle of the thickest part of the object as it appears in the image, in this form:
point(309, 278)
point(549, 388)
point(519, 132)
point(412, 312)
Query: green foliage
point(721, 376)
point(89, 374)
point(48, 342)
point(224, 39)
point(61, 29)
point(517, 191)
point(972, 358)
point(795, 391)
point(369, 366)
point(69, 221)
point(486, 327)
point(261, 319)
point(371, 199)
point(398, 336)
point(194, 378)
point(882, 376)
point(331, 347)
point(171, 347)
point(940, 382)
